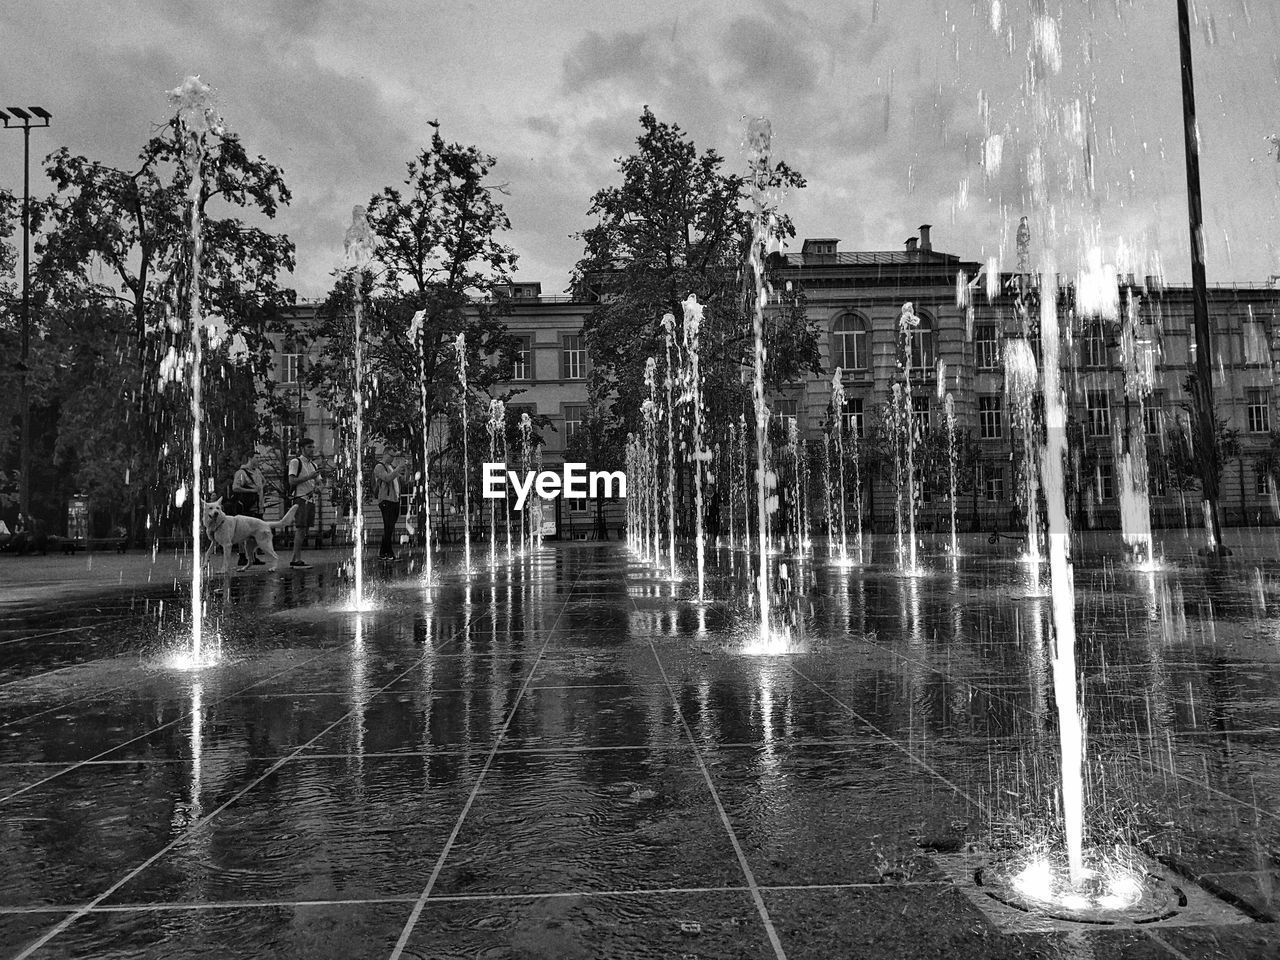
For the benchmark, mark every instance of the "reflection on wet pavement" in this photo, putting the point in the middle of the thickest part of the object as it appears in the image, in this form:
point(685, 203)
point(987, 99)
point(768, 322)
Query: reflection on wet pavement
point(565, 759)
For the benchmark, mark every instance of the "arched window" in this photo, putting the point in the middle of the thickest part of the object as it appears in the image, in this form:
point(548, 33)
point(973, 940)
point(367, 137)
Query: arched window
point(849, 344)
point(921, 340)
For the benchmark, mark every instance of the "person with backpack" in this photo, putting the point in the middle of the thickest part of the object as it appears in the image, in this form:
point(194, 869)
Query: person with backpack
point(246, 499)
point(304, 482)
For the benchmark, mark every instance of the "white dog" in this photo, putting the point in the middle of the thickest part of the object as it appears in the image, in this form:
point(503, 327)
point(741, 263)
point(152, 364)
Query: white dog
point(230, 531)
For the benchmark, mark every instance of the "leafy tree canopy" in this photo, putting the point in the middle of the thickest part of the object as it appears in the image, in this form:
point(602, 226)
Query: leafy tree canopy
point(439, 270)
point(679, 224)
point(112, 274)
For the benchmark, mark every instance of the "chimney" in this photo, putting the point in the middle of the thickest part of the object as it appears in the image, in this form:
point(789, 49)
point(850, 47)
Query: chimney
point(925, 245)
point(911, 245)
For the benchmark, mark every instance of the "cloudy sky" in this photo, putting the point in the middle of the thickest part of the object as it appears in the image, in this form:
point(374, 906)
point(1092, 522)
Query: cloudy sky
point(899, 112)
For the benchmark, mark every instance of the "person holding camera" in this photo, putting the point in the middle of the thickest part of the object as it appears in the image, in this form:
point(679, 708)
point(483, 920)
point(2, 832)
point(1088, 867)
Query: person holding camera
point(386, 480)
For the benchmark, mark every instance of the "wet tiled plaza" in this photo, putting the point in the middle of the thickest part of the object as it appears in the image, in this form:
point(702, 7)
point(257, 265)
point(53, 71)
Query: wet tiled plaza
point(568, 759)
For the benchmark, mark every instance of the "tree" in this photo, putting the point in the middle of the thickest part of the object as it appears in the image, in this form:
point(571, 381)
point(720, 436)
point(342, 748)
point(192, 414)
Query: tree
point(678, 224)
point(111, 287)
point(1179, 461)
point(439, 254)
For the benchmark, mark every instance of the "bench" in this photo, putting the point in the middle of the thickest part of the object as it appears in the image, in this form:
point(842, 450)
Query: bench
point(70, 545)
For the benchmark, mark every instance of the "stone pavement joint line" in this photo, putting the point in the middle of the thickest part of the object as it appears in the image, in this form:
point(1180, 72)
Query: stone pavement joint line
point(54, 633)
point(421, 902)
point(207, 818)
point(1150, 759)
point(756, 896)
point(170, 723)
point(894, 743)
point(183, 906)
point(724, 818)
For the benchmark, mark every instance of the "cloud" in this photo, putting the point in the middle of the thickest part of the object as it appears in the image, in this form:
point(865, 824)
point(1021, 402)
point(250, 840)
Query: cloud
point(764, 55)
point(599, 58)
point(879, 112)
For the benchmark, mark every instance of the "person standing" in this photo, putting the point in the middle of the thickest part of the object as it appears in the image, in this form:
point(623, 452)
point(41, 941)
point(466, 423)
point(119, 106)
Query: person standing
point(386, 480)
point(246, 489)
point(304, 480)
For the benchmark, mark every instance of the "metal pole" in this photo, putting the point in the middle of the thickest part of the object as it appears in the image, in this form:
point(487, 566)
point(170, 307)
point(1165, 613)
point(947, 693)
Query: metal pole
point(10, 117)
point(24, 488)
point(1206, 427)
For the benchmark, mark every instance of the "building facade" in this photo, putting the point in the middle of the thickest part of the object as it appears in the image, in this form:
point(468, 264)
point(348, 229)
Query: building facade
point(958, 349)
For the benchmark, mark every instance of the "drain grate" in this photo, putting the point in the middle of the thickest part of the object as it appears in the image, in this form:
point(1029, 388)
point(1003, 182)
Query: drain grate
point(1168, 900)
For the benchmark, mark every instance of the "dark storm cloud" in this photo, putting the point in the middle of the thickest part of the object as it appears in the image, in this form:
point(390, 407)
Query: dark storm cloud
point(880, 111)
point(761, 54)
point(625, 55)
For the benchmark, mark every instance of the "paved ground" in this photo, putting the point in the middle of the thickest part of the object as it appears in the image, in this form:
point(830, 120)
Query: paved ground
point(564, 759)
point(41, 578)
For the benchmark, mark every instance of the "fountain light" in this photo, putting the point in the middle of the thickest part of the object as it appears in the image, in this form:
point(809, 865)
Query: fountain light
point(187, 659)
point(1108, 885)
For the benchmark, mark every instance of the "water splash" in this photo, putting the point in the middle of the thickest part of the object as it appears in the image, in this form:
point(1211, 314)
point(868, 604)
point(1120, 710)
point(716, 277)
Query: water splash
point(908, 323)
point(693, 395)
point(837, 415)
point(1022, 380)
point(1138, 364)
point(359, 246)
point(527, 518)
point(196, 120)
point(1061, 578)
point(417, 334)
point(497, 428)
point(668, 331)
point(759, 139)
point(460, 345)
point(949, 409)
point(746, 483)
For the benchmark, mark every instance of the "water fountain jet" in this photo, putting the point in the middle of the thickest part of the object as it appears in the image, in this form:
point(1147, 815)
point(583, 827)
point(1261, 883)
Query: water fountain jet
point(359, 246)
point(196, 120)
point(460, 345)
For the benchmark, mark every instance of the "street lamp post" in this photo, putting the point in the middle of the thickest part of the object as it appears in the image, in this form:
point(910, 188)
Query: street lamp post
point(16, 118)
point(1206, 428)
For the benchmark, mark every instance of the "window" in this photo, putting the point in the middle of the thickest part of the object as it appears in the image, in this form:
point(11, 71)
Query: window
point(1104, 486)
point(1256, 349)
point(1262, 484)
point(988, 347)
point(921, 344)
point(1099, 411)
point(521, 369)
point(993, 484)
point(851, 418)
point(849, 344)
point(990, 424)
point(920, 411)
point(1153, 416)
point(293, 425)
point(574, 415)
point(787, 410)
point(290, 367)
point(1095, 346)
point(573, 358)
point(577, 504)
point(1258, 401)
